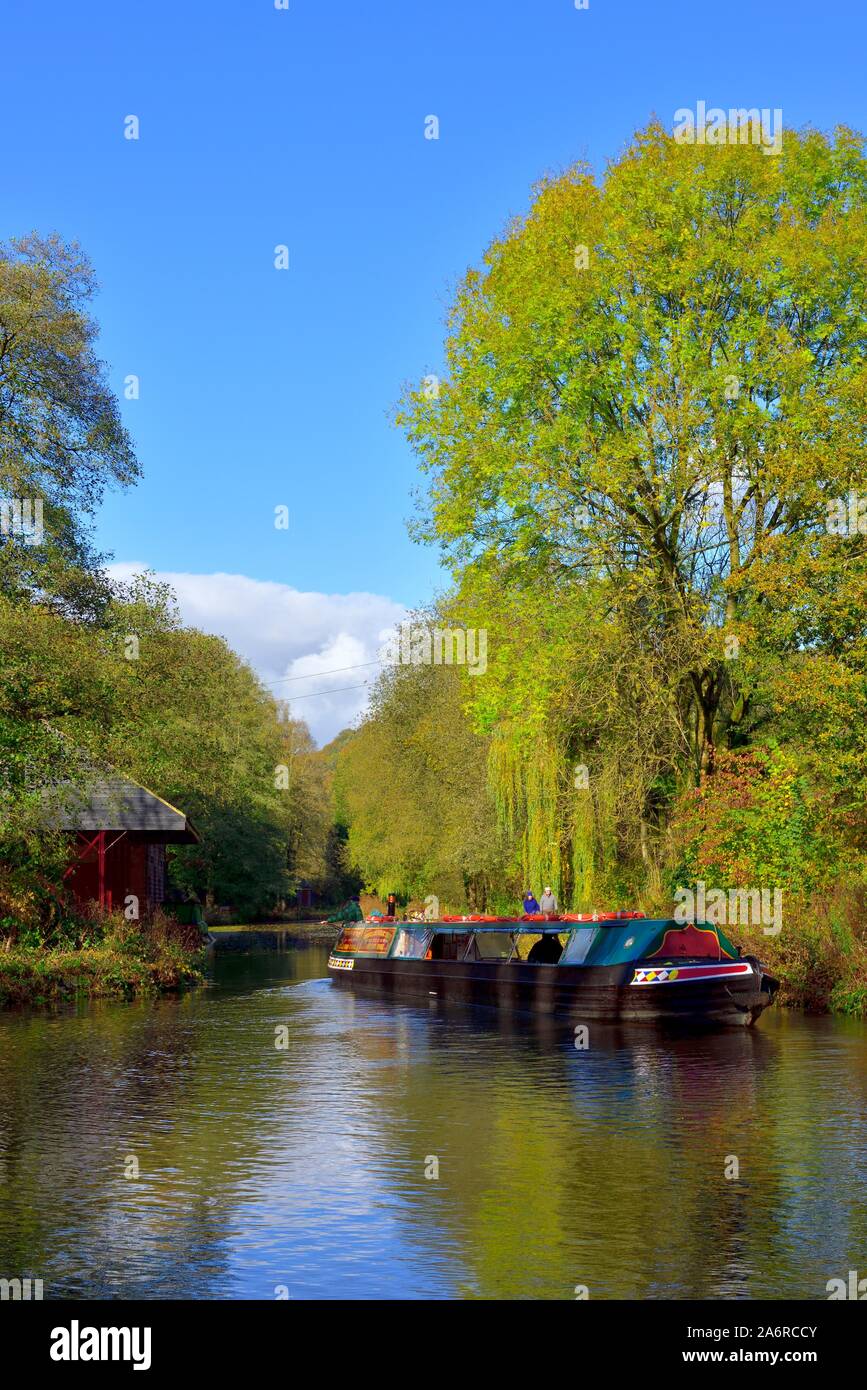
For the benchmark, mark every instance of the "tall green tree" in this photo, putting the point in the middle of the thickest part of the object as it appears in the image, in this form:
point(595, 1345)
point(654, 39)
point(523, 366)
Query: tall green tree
point(61, 439)
point(198, 728)
point(661, 373)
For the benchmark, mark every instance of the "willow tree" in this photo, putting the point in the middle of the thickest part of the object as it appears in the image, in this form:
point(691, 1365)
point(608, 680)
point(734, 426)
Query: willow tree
point(659, 379)
point(587, 733)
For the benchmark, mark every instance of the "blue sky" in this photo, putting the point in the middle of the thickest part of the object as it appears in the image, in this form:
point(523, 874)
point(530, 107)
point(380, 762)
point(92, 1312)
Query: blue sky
point(305, 127)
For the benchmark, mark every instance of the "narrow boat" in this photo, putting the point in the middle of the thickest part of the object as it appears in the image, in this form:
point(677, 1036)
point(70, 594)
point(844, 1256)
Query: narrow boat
point(613, 967)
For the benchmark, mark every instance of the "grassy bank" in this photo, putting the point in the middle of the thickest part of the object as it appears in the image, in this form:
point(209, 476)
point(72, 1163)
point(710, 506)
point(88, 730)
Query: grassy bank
point(820, 961)
point(123, 962)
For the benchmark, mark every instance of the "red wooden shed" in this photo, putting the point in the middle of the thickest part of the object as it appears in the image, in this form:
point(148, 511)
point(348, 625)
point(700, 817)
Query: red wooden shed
point(119, 849)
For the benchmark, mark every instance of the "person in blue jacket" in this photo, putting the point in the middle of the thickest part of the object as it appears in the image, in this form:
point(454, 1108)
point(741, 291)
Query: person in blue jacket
point(530, 904)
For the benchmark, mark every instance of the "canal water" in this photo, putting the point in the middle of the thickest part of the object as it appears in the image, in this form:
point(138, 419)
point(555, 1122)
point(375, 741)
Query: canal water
point(272, 1136)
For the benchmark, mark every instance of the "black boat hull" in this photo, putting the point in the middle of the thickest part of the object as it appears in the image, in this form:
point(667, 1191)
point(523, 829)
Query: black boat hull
point(688, 992)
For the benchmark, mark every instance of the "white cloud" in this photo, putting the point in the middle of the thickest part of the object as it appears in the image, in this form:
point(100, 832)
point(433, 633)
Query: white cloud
point(286, 632)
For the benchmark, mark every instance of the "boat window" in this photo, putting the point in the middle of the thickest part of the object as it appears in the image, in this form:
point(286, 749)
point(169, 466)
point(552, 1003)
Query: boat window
point(366, 941)
point(540, 948)
point(449, 945)
point(490, 945)
point(578, 945)
point(412, 943)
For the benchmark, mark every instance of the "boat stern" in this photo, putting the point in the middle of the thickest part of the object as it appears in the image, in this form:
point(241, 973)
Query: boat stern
point(733, 991)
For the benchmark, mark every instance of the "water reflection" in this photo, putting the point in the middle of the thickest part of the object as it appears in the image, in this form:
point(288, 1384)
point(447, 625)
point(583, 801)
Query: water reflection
point(305, 1165)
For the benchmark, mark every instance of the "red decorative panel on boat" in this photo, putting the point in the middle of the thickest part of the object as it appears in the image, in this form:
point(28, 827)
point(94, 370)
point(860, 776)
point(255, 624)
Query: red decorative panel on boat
point(690, 941)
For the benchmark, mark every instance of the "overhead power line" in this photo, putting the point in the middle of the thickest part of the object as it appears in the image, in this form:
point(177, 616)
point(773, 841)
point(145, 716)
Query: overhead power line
point(332, 672)
point(338, 691)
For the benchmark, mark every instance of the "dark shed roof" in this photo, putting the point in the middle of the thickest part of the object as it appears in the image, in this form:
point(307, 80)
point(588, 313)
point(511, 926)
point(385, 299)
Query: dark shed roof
point(116, 803)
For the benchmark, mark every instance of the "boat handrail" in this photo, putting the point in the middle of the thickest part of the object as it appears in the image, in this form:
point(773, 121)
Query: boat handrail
point(538, 921)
